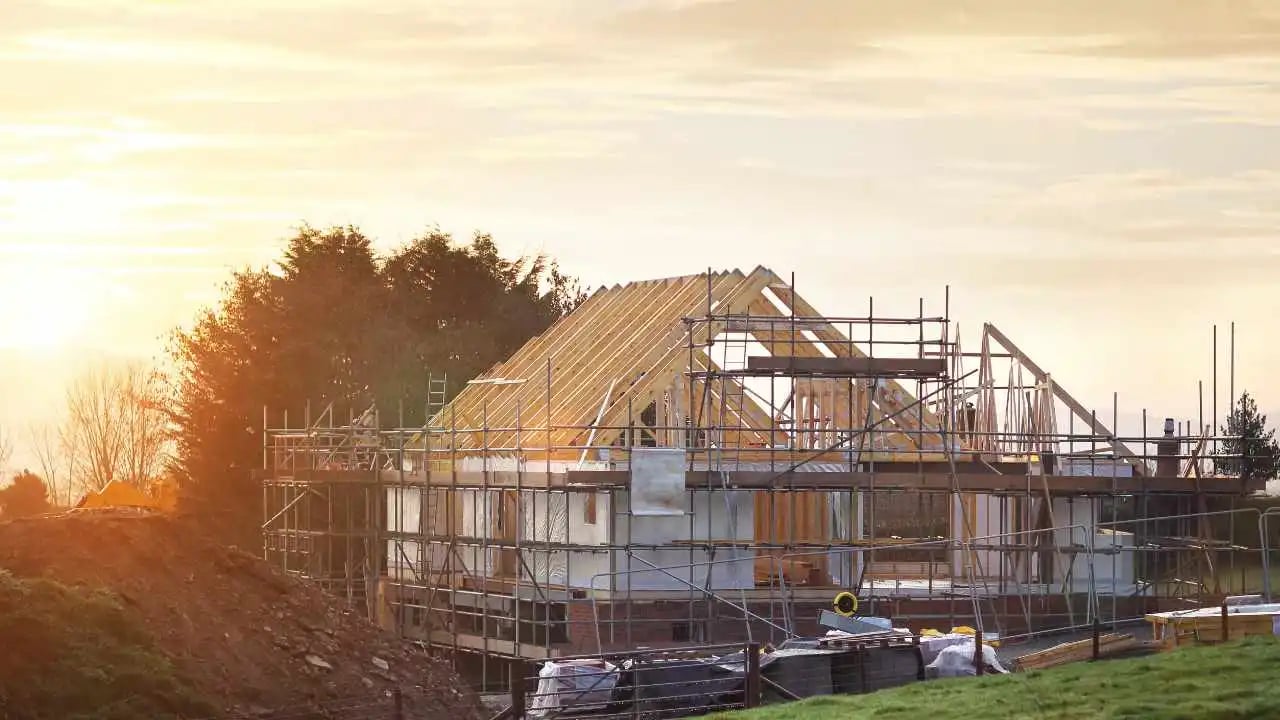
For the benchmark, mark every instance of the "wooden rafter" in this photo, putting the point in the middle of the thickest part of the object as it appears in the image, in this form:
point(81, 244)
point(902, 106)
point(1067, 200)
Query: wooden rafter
point(629, 346)
point(1096, 426)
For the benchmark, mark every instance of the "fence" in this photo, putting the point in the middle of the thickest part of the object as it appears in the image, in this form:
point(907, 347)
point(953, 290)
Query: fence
point(674, 683)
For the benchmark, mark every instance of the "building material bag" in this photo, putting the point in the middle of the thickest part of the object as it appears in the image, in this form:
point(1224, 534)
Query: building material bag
point(573, 684)
point(957, 661)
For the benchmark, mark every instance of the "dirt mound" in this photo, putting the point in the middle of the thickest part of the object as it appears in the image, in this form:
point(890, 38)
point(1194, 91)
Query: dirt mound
point(245, 636)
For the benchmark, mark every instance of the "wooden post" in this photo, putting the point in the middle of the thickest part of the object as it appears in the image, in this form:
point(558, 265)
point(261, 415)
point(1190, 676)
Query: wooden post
point(519, 671)
point(1097, 638)
point(979, 663)
point(752, 685)
point(635, 689)
point(397, 697)
point(915, 641)
point(1226, 628)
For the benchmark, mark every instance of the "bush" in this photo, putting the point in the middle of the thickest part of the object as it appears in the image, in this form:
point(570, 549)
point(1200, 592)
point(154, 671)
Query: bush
point(75, 654)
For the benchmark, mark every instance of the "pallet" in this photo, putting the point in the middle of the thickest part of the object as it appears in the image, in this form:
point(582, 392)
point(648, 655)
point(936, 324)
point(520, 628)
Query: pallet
point(887, 638)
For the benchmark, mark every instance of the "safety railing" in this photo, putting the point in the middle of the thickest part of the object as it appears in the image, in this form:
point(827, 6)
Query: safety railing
point(685, 682)
point(662, 683)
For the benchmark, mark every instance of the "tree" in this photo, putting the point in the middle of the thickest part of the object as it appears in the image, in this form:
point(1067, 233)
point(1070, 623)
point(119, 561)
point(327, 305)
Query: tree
point(336, 324)
point(116, 425)
point(6, 447)
point(1251, 450)
point(53, 452)
point(25, 496)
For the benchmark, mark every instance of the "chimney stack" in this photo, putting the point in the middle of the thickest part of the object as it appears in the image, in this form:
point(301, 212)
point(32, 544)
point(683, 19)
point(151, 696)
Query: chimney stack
point(1167, 451)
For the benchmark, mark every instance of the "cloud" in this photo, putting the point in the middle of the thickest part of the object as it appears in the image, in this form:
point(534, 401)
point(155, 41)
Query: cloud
point(562, 145)
point(763, 31)
point(1122, 275)
point(1010, 116)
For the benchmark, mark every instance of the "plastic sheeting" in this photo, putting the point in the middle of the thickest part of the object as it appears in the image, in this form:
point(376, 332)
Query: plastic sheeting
point(404, 515)
point(574, 686)
point(957, 661)
point(657, 481)
point(930, 647)
point(557, 517)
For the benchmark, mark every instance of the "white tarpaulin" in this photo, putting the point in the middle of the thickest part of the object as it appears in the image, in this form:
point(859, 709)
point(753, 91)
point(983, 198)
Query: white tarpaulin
point(657, 481)
point(573, 685)
point(957, 661)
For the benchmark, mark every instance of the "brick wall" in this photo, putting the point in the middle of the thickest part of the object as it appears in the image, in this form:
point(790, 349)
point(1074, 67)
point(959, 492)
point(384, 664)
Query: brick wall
point(670, 624)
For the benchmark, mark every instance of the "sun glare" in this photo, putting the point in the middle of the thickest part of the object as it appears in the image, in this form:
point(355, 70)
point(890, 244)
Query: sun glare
point(49, 288)
point(43, 307)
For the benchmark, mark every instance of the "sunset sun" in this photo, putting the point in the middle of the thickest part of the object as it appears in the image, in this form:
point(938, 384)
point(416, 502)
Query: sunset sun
point(46, 307)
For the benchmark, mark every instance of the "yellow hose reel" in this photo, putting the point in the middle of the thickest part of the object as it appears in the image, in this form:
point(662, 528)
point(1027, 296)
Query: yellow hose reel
point(846, 604)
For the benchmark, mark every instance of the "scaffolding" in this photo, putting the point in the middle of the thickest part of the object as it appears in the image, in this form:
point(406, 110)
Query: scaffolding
point(707, 459)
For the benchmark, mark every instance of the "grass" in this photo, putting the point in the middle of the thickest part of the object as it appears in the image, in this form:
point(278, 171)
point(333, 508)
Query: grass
point(1225, 682)
point(77, 654)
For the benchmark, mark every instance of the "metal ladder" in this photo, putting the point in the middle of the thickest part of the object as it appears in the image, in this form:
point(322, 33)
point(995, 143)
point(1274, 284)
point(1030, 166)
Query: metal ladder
point(732, 388)
point(437, 395)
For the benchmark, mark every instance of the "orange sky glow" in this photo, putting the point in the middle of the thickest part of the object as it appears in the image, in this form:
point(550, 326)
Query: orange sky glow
point(1099, 179)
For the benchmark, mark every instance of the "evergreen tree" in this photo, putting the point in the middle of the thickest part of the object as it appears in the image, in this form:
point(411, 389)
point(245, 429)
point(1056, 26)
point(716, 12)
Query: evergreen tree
point(334, 322)
point(25, 496)
point(1252, 452)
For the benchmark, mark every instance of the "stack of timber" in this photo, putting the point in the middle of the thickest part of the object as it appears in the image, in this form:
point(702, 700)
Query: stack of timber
point(1109, 644)
point(1209, 625)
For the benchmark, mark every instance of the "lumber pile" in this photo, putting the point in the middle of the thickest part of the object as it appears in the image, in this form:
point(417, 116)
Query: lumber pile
point(1109, 644)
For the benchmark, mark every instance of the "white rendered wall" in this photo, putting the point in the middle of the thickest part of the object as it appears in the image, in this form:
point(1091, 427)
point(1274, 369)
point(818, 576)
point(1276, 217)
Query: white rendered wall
point(983, 526)
point(1112, 558)
point(847, 524)
point(560, 517)
point(404, 514)
point(715, 514)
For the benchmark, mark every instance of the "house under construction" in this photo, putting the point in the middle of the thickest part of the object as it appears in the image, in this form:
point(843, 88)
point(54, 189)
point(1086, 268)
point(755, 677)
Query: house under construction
point(708, 459)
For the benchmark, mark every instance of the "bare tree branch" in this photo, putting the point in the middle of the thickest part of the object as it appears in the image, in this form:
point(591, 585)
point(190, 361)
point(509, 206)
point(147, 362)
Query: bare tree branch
point(117, 425)
point(6, 448)
point(50, 454)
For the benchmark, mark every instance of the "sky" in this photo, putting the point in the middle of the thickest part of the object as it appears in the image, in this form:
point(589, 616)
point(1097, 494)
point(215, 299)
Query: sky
point(1100, 179)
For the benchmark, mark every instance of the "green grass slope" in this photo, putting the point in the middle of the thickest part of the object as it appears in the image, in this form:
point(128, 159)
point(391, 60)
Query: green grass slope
point(75, 654)
point(1227, 682)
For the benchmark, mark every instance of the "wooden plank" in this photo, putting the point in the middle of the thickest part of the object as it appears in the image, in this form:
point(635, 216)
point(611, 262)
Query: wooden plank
point(567, 355)
point(1096, 426)
point(655, 325)
point(900, 478)
point(661, 361)
point(966, 482)
point(752, 417)
point(525, 362)
point(893, 398)
point(1109, 644)
point(861, 367)
point(787, 518)
point(608, 353)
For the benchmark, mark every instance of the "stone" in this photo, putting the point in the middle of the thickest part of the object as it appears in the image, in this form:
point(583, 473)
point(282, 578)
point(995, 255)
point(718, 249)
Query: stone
point(317, 661)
